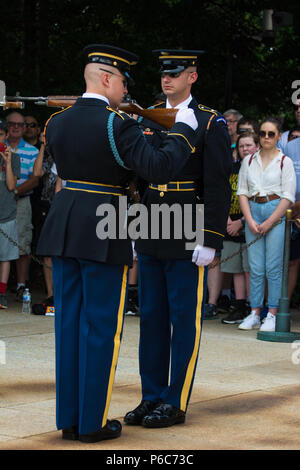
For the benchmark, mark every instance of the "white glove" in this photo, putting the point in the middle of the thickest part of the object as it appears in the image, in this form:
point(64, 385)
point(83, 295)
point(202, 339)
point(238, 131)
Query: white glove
point(187, 116)
point(203, 255)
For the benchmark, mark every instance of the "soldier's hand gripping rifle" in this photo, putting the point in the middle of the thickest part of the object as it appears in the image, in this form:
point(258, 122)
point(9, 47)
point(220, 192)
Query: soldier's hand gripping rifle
point(4, 103)
point(162, 116)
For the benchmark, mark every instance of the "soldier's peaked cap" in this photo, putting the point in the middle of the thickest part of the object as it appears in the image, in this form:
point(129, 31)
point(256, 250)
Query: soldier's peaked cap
point(110, 55)
point(176, 60)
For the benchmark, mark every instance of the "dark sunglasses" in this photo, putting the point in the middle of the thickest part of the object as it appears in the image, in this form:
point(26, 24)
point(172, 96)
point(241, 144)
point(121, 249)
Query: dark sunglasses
point(270, 134)
point(170, 74)
point(30, 124)
point(296, 106)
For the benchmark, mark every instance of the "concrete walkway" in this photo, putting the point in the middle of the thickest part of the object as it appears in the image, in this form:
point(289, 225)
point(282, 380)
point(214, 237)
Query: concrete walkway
point(246, 393)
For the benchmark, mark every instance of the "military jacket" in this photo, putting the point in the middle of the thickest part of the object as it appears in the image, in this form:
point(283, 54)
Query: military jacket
point(209, 166)
point(91, 143)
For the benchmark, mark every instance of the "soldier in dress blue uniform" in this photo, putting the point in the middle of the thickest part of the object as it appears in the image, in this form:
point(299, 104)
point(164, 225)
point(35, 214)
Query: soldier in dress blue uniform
point(95, 149)
point(172, 278)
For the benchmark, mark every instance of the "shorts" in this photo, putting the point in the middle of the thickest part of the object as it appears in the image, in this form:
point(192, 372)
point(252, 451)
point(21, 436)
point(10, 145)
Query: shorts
point(8, 250)
point(237, 264)
point(24, 216)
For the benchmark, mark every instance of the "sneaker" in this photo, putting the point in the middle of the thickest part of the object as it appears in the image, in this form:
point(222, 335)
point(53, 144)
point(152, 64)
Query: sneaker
point(19, 293)
point(210, 312)
point(132, 309)
point(269, 323)
point(236, 316)
point(250, 322)
point(237, 312)
point(223, 304)
point(3, 301)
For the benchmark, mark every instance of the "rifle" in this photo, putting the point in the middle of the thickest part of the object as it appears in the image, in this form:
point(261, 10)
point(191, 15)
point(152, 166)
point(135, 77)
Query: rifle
point(8, 104)
point(162, 116)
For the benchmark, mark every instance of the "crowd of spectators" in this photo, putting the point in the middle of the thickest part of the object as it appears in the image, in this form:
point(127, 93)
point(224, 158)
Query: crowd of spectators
point(28, 182)
point(27, 198)
point(265, 181)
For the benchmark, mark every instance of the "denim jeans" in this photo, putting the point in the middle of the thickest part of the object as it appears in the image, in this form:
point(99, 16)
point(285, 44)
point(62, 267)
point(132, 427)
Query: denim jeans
point(265, 256)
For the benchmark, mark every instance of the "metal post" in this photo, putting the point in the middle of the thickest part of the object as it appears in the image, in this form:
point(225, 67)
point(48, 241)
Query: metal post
point(282, 331)
point(283, 317)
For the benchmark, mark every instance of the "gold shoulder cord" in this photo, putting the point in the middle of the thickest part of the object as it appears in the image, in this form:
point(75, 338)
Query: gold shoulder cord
point(205, 108)
point(114, 111)
point(158, 104)
point(54, 114)
point(208, 110)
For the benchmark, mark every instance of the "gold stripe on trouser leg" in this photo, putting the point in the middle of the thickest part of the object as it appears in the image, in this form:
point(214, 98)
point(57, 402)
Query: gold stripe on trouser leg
point(117, 341)
point(192, 363)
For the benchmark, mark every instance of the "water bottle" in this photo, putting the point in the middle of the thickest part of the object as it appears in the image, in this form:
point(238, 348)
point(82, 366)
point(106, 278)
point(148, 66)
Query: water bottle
point(26, 301)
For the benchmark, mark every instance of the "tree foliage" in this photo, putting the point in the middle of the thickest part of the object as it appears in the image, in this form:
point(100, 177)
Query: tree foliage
point(42, 44)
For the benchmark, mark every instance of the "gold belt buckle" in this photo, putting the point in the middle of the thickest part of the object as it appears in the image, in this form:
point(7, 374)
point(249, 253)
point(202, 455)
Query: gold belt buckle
point(163, 188)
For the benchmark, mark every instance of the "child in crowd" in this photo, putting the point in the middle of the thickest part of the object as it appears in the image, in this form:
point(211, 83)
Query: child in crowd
point(9, 173)
point(247, 143)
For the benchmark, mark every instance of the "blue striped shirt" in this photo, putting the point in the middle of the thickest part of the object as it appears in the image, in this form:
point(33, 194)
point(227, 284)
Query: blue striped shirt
point(27, 154)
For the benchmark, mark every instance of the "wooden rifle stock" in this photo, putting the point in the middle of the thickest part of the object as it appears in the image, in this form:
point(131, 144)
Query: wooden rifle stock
point(12, 104)
point(60, 101)
point(162, 116)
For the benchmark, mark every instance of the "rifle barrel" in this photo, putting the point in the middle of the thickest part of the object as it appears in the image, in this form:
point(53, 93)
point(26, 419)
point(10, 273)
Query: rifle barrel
point(25, 98)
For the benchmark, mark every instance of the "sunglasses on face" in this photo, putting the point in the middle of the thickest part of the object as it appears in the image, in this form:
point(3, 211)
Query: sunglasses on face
point(293, 136)
point(270, 134)
point(32, 125)
point(15, 124)
point(296, 107)
point(170, 74)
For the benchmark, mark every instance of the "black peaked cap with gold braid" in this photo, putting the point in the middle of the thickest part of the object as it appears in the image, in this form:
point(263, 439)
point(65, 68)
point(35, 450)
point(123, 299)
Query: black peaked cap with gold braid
point(176, 60)
point(110, 55)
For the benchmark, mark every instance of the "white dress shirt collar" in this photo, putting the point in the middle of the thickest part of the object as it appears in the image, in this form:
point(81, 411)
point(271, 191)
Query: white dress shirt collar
point(182, 105)
point(95, 95)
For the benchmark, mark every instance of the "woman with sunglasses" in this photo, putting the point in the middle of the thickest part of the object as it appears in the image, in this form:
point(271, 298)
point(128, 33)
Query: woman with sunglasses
point(266, 189)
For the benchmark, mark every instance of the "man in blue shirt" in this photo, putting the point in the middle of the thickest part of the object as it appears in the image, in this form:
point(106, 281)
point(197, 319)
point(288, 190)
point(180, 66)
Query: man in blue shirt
point(25, 185)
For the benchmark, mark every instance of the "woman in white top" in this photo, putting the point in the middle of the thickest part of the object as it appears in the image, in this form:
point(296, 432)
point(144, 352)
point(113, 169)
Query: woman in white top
point(266, 189)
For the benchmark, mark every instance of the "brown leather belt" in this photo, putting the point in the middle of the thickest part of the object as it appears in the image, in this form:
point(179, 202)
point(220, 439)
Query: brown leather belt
point(262, 199)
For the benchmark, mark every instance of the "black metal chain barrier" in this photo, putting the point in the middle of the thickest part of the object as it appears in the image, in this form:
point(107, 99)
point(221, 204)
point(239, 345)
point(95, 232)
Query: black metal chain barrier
point(213, 265)
point(245, 247)
point(13, 242)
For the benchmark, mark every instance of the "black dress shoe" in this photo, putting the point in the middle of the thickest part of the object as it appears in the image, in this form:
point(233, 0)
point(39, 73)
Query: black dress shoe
point(70, 433)
point(162, 416)
point(111, 430)
point(136, 416)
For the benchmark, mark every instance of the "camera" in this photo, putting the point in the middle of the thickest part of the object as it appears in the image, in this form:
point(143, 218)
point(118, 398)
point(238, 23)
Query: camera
point(3, 147)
